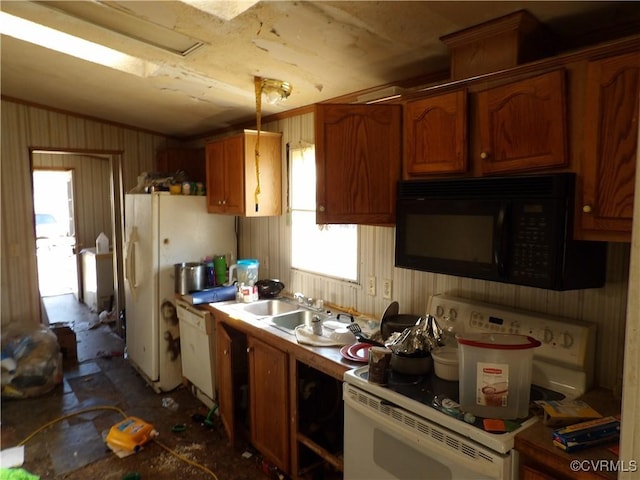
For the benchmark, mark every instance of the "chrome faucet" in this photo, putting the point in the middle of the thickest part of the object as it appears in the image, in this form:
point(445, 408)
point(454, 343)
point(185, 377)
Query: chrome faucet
point(309, 302)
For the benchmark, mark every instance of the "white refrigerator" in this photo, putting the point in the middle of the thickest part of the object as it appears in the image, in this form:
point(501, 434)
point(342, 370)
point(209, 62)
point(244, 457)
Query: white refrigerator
point(160, 231)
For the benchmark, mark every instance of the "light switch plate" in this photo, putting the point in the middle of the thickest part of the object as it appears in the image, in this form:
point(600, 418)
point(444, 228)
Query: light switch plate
point(387, 288)
point(371, 286)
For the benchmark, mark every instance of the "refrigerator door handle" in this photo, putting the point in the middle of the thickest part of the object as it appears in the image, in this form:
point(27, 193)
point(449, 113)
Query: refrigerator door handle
point(130, 265)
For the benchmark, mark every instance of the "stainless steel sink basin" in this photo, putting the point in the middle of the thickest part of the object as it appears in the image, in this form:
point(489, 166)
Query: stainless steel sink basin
point(287, 322)
point(269, 308)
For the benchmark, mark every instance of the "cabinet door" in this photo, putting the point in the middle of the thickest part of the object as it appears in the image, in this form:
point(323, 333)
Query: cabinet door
point(523, 125)
point(436, 134)
point(191, 160)
point(270, 166)
point(215, 157)
point(530, 473)
point(610, 144)
point(234, 175)
point(269, 402)
point(358, 162)
point(224, 365)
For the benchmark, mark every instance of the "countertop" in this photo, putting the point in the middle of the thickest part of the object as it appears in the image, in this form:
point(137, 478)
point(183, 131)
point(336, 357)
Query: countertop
point(536, 444)
point(326, 359)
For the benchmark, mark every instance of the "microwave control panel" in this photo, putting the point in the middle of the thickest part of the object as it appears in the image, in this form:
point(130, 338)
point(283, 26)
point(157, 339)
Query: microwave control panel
point(532, 239)
point(570, 342)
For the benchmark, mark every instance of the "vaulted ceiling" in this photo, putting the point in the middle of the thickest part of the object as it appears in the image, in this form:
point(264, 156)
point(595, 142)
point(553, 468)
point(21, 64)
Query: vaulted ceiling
point(187, 68)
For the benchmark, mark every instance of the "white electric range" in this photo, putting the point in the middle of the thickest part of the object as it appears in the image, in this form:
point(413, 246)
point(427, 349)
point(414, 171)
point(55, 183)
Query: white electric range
point(394, 431)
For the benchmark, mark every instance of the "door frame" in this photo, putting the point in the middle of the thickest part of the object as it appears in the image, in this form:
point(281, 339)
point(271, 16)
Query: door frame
point(117, 211)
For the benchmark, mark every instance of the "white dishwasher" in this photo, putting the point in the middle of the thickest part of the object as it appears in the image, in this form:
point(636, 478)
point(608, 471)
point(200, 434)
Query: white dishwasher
point(197, 349)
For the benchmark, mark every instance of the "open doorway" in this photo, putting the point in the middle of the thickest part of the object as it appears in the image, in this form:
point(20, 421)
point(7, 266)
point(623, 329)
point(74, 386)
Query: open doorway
point(53, 204)
point(94, 204)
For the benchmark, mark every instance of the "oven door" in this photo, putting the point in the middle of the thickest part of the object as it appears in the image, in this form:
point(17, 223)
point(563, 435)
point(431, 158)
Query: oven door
point(383, 441)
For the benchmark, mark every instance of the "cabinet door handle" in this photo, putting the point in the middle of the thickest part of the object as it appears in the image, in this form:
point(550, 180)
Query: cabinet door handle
point(484, 155)
point(587, 209)
point(249, 349)
point(320, 208)
point(224, 202)
point(219, 202)
point(225, 352)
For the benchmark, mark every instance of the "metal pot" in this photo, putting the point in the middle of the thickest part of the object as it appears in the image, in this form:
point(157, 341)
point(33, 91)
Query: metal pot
point(269, 288)
point(411, 365)
point(190, 277)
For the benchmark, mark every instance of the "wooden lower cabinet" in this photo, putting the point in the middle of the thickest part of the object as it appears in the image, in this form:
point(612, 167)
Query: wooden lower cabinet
point(530, 473)
point(318, 423)
point(290, 411)
point(231, 365)
point(269, 402)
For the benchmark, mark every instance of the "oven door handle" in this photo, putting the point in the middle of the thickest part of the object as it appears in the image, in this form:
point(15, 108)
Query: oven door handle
point(437, 444)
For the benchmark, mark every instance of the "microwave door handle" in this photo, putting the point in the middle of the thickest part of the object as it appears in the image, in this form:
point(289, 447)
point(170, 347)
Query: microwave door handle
point(499, 245)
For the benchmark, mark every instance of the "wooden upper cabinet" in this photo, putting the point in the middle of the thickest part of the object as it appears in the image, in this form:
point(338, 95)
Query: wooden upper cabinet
point(190, 160)
point(610, 146)
point(522, 125)
point(435, 130)
point(358, 163)
point(232, 179)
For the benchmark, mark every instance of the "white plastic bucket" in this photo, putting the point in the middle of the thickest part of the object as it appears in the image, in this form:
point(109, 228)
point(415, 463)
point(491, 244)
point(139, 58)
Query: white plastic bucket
point(495, 374)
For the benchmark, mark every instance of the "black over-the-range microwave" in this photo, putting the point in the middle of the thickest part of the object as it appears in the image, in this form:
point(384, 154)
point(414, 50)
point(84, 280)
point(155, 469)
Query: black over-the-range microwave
point(516, 229)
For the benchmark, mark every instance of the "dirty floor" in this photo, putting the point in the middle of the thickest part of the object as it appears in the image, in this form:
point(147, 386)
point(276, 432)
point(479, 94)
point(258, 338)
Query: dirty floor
point(73, 448)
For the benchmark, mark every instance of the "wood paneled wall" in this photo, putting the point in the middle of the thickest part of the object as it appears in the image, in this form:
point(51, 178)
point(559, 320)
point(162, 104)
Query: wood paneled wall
point(25, 127)
point(268, 239)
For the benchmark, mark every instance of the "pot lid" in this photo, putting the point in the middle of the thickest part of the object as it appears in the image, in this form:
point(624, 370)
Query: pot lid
point(392, 309)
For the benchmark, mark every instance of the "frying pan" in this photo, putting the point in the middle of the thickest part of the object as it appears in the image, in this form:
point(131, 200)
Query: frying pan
point(269, 288)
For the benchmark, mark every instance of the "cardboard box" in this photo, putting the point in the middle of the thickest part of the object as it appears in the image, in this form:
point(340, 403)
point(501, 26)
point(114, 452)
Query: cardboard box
point(587, 434)
point(67, 341)
point(566, 412)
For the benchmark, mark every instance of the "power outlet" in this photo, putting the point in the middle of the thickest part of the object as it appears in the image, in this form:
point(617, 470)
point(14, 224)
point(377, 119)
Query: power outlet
point(387, 288)
point(371, 286)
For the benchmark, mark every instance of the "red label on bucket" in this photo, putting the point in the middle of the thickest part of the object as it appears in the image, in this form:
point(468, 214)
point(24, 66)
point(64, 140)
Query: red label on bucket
point(492, 371)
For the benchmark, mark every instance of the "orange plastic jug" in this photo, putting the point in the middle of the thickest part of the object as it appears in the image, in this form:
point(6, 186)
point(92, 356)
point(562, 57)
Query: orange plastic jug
point(130, 434)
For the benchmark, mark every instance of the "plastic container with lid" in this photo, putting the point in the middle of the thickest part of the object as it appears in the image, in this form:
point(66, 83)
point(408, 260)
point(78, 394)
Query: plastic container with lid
point(495, 374)
point(445, 363)
point(246, 271)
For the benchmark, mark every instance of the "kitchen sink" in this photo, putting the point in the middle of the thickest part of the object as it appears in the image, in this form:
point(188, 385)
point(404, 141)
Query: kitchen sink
point(269, 308)
point(287, 322)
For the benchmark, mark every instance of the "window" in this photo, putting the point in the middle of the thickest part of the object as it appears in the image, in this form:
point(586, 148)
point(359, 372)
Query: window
point(330, 250)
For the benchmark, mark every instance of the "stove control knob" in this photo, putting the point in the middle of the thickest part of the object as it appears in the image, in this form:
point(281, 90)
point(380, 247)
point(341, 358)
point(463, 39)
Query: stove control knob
point(439, 311)
point(453, 313)
point(567, 340)
point(547, 335)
